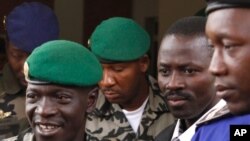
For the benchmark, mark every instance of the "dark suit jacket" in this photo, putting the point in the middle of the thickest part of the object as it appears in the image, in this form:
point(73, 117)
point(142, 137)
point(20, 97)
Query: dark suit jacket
point(167, 133)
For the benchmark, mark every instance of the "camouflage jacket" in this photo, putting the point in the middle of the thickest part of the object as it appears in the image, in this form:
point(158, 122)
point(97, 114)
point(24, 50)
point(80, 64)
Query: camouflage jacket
point(108, 123)
point(25, 135)
point(12, 105)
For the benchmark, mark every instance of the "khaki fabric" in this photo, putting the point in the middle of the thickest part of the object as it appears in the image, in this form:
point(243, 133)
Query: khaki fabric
point(12, 105)
point(26, 135)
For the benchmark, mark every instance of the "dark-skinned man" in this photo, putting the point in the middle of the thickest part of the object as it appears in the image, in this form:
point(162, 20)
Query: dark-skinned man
point(129, 106)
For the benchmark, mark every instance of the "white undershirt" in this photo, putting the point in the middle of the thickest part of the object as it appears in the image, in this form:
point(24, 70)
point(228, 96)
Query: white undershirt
point(134, 117)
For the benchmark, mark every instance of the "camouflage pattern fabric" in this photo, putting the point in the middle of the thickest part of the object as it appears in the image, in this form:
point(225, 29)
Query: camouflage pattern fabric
point(25, 135)
point(12, 105)
point(108, 123)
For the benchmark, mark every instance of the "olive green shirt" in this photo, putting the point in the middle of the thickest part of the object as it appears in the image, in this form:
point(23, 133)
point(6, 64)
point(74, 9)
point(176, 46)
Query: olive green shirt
point(25, 135)
point(12, 105)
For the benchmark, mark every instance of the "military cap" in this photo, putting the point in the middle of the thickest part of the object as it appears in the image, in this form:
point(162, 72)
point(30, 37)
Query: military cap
point(62, 62)
point(119, 39)
point(31, 24)
point(213, 5)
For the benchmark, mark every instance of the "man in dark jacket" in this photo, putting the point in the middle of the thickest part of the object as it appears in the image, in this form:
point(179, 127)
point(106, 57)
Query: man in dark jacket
point(183, 61)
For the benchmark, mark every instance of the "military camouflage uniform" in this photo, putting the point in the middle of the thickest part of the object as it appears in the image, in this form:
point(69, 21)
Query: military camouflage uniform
point(25, 135)
point(12, 105)
point(108, 123)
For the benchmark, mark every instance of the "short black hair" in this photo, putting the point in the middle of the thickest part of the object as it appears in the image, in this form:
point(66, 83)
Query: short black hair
point(188, 26)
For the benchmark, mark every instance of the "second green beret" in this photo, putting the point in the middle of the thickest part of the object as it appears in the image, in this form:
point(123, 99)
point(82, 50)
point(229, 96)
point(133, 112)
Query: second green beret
point(63, 62)
point(119, 39)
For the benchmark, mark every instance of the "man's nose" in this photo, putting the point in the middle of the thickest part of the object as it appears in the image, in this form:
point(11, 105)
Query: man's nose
point(176, 82)
point(107, 80)
point(217, 65)
point(46, 108)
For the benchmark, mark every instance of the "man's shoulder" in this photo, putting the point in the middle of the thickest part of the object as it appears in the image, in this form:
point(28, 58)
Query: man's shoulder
point(26, 135)
point(228, 120)
point(166, 134)
point(219, 111)
point(11, 139)
point(205, 131)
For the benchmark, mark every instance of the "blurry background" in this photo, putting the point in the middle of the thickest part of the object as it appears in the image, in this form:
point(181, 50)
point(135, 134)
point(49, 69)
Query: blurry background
point(78, 18)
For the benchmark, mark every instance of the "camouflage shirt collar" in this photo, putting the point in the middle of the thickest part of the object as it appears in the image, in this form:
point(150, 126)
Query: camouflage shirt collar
point(156, 102)
point(10, 82)
point(216, 113)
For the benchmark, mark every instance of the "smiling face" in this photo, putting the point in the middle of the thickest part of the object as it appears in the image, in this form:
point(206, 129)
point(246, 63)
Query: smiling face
point(228, 32)
point(183, 75)
point(57, 113)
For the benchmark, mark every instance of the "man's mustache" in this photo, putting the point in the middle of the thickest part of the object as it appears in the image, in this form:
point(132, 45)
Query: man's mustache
point(108, 90)
point(171, 93)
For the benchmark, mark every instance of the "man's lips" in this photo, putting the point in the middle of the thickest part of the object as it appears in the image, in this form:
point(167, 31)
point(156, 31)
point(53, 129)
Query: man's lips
point(223, 91)
point(109, 92)
point(110, 95)
point(175, 100)
point(47, 128)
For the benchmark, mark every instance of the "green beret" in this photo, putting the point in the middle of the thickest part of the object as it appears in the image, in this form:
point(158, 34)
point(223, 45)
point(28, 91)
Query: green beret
point(63, 62)
point(119, 39)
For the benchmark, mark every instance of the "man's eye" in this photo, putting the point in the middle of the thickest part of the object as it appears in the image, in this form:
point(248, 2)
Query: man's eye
point(211, 45)
point(228, 46)
point(63, 98)
point(189, 71)
point(164, 72)
point(16, 55)
point(31, 97)
point(118, 68)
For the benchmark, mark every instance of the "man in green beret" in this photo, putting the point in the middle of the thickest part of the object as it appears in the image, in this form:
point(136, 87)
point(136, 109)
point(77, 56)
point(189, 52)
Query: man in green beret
point(62, 87)
point(129, 106)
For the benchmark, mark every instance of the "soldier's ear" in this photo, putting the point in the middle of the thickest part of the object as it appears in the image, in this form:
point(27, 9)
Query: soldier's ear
point(92, 97)
point(144, 63)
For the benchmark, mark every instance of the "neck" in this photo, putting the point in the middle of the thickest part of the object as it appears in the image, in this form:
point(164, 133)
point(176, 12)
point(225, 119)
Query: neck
point(140, 95)
point(190, 122)
point(81, 134)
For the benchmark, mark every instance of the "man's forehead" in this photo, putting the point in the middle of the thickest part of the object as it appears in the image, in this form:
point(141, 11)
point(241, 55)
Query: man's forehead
point(47, 87)
point(218, 25)
point(180, 43)
point(118, 64)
